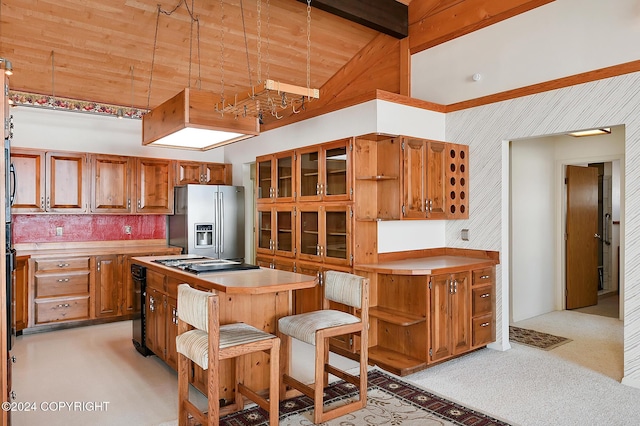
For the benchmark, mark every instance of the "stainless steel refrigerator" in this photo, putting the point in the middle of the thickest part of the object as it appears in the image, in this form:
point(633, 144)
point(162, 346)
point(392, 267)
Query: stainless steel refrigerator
point(208, 220)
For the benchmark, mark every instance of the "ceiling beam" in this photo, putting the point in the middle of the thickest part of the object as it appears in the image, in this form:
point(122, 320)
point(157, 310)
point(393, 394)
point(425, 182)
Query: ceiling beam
point(387, 16)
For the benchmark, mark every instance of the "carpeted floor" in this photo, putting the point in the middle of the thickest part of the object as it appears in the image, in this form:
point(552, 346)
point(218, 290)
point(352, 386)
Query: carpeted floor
point(535, 338)
point(390, 401)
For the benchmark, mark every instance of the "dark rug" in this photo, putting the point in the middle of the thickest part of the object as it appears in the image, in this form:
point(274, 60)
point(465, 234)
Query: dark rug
point(389, 401)
point(536, 339)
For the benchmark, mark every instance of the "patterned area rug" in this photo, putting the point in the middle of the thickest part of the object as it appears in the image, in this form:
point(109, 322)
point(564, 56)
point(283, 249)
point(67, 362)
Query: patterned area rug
point(536, 339)
point(390, 401)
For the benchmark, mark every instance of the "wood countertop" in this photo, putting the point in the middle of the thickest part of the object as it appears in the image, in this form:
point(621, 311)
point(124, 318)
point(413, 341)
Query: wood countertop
point(432, 265)
point(48, 250)
point(252, 281)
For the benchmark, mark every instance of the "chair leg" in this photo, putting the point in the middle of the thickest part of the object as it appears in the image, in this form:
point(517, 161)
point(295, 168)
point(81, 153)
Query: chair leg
point(318, 394)
point(183, 389)
point(274, 381)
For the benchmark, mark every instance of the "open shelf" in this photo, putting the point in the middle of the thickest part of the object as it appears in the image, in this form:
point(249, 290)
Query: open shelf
point(395, 317)
point(395, 362)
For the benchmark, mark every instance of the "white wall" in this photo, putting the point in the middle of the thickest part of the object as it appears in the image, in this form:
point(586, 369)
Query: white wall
point(532, 228)
point(559, 39)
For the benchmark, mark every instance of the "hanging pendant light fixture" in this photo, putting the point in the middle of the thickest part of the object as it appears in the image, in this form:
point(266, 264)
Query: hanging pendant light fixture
point(189, 120)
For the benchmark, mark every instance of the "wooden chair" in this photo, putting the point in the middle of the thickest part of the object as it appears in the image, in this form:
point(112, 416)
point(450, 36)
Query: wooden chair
point(208, 343)
point(317, 327)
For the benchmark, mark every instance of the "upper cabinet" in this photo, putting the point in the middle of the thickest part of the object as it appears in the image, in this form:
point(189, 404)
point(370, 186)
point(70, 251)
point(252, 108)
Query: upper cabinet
point(111, 186)
point(423, 179)
point(324, 172)
point(191, 172)
point(49, 181)
point(154, 186)
point(275, 177)
point(457, 178)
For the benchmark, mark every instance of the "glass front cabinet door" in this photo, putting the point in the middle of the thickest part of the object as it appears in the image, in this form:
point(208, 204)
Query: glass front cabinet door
point(324, 234)
point(276, 230)
point(324, 172)
point(275, 177)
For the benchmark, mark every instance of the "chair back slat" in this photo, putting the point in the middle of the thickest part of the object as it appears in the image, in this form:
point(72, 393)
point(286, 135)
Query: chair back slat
point(343, 288)
point(192, 306)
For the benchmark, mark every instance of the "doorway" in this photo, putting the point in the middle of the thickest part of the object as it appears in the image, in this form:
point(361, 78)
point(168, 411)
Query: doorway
point(538, 216)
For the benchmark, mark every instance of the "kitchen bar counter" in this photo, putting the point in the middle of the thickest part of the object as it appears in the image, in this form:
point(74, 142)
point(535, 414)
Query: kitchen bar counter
point(252, 281)
point(427, 265)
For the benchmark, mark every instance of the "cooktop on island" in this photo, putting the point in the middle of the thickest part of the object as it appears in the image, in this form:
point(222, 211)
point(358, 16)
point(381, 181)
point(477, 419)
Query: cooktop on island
point(200, 265)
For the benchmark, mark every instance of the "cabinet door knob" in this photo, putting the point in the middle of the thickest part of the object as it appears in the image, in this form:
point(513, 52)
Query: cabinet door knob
point(63, 280)
point(484, 324)
point(62, 265)
point(485, 295)
point(484, 277)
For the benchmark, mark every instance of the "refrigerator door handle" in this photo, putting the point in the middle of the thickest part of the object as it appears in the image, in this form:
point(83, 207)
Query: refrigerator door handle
point(221, 224)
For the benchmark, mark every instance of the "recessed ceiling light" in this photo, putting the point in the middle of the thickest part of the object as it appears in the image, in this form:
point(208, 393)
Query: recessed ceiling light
point(592, 132)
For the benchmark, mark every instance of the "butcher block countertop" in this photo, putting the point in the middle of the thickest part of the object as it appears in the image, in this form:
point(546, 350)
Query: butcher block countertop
point(91, 248)
point(440, 262)
point(251, 281)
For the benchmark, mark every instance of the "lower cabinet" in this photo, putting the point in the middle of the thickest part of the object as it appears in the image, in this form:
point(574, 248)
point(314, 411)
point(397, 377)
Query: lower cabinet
point(420, 320)
point(76, 288)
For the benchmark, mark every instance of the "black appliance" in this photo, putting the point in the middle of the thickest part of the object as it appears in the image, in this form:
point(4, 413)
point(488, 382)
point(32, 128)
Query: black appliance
point(10, 253)
point(202, 265)
point(139, 276)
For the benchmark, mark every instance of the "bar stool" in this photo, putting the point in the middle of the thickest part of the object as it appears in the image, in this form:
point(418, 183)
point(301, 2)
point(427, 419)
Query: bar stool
point(208, 343)
point(317, 327)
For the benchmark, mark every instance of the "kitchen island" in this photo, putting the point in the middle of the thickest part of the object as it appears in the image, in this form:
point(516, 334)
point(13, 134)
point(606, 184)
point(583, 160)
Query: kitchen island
point(256, 296)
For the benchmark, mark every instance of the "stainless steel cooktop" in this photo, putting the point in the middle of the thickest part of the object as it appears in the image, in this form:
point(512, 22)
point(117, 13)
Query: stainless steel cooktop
point(200, 265)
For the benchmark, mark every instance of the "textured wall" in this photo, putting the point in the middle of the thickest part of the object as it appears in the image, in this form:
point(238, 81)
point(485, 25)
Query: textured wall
point(42, 228)
point(603, 103)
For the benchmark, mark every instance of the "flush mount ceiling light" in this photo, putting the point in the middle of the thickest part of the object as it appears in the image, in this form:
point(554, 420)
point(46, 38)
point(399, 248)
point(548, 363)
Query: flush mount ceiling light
point(189, 121)
point(591, 132)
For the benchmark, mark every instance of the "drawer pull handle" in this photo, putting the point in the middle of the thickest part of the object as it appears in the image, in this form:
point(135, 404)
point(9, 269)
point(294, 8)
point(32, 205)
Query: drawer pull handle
point(484, 324)
point(62, 265)
point(485, 295)
point(485, 277)
point(63, 280)
point(63, 305)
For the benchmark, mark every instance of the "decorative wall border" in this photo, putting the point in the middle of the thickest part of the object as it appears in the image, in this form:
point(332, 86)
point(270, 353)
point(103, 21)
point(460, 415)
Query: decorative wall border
point(75, 105)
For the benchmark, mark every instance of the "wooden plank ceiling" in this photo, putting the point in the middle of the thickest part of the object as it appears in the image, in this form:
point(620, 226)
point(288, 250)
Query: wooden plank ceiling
point(103, 51)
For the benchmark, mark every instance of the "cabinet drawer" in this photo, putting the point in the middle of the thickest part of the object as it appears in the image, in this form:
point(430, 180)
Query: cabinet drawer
point(62, 264)
point(482, 300)
point(62, 309)
point(484, 276)
point(62, 284)
point(483, 330)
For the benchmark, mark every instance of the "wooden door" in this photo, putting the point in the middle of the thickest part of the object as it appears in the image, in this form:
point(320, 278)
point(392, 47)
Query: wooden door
point(216, 174)
point(154, 325)
point(154, 188)
point(308, 233)
point(21, 296)
point(582, 237)
point(461, 313)
point(30, 181)
point(108, 285)
point(111, 184)
point(440, 315)
point(434, 178)
point(66, 177)
point(264, 225)
point(284, 185)
point(335, 234)
point(284, 231)
point(413, 184)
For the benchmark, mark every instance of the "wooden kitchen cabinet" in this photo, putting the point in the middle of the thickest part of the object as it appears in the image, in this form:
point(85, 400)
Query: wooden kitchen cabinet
point(457, 181)
point(276, 230)
point(61, 289)
point(154, 186)
point(324, 233)
point(275, 178)
point(49, 181)
point(111, 183)
point(191, 172)
point(108, 285)
point(21, 295)
point(450, 312)
point(483, 302)
point(323, 172)
point(423, 179)
point(155, 337)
